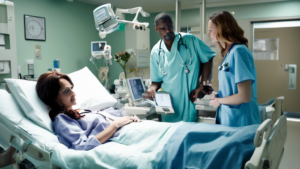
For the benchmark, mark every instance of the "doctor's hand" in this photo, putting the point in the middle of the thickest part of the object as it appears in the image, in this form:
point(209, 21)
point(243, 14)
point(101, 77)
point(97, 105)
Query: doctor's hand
point(149, 94)
point(207, 89)
point(122, 121)
point(200, 92)
point(214, 102)
point(196, 93)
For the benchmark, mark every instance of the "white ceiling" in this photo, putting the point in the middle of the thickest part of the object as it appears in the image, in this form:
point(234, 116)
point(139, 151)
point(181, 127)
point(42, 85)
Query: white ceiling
point(169, 5)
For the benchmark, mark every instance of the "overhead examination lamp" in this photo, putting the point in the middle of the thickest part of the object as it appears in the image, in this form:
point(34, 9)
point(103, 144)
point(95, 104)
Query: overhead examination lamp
point(107, 22)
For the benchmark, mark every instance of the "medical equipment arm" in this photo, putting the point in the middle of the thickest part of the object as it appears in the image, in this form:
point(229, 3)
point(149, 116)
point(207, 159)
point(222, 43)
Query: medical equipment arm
point(107, 22)
point(136, 10)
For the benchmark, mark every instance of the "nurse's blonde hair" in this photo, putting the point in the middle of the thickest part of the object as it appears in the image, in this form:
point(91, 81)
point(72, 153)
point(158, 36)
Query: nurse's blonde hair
point(228, 29)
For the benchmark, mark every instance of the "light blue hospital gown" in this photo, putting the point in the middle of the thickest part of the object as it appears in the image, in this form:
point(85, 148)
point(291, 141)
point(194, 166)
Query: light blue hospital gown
point(80, 134)
point(176, 82)
point(241, 67)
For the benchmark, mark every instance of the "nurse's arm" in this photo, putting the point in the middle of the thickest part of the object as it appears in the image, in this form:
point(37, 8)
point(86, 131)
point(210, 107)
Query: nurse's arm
point(244, 94)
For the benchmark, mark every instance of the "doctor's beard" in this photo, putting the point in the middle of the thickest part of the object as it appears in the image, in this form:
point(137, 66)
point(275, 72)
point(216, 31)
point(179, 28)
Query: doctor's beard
point(169, 36)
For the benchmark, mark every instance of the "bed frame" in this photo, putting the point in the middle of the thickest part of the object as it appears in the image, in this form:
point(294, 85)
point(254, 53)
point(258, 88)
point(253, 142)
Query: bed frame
point(269, 142)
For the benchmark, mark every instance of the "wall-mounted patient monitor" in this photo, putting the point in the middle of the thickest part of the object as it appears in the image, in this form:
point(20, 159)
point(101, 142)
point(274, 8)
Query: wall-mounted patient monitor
point(97, 48)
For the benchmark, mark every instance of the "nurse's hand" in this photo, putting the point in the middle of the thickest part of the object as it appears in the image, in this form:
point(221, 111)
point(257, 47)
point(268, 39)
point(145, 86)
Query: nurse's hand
point(214, 102)
point(149, 94)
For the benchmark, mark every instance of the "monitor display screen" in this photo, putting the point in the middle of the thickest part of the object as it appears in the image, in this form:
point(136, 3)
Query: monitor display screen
point(98, 46)
point(137, 88)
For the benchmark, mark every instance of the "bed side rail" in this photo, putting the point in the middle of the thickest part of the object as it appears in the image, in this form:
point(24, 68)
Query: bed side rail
point(269, 142)
point(26, 144)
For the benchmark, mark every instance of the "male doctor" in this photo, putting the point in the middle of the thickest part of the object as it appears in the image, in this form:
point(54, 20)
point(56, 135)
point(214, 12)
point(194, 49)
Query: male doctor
point(175, 68)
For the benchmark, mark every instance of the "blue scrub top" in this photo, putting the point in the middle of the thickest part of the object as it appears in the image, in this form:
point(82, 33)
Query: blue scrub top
point(237, 66)
point(167, 67)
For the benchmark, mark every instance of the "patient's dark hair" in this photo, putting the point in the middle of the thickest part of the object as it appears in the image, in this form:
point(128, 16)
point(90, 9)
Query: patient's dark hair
point(163, 16)
point(47, 89)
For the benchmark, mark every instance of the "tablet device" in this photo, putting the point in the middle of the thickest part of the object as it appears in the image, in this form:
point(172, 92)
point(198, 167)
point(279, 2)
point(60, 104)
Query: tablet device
point(163, 102)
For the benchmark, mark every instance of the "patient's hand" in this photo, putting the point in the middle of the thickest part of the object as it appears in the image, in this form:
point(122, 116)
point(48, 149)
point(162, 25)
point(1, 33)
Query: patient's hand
point(135, 118)
point(122, 121)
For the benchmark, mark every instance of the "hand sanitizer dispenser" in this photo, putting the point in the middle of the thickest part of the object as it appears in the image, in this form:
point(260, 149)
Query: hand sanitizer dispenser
point(292, 69)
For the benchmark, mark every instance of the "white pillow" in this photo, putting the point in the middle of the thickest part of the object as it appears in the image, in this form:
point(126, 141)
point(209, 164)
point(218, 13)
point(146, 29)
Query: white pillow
point(9, 108)
point(90, 94)
point(26, 96)
point(10, 115)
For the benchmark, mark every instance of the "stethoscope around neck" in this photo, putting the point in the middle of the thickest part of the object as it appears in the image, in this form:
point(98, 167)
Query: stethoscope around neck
point(180, 42)
point(224, 66)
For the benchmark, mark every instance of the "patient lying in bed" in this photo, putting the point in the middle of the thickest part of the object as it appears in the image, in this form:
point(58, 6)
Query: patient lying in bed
point(148, 144)
point(77, 129)
point(154, 145)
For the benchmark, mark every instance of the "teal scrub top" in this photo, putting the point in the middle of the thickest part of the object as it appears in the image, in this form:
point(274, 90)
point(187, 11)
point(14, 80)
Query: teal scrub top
point(237, 66)
point(167, 67)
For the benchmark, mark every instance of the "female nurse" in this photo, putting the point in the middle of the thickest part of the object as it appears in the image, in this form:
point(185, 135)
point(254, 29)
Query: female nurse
point(237, 102)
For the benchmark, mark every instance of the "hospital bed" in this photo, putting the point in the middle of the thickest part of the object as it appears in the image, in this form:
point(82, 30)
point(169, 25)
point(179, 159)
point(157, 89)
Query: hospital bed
point(37, 144)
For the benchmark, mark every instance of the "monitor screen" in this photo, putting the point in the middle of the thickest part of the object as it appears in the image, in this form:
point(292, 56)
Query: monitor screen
point(137, 88)
point(98, 46)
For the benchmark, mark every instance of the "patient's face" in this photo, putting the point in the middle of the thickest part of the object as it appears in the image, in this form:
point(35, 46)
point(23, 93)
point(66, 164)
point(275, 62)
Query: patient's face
point(66, 96)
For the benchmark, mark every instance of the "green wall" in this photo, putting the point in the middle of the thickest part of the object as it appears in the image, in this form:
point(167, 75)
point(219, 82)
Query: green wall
point(70, 28)
point(69, 32)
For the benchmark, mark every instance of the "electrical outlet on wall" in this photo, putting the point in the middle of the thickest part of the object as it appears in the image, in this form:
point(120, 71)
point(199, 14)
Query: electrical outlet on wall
point(37, 52)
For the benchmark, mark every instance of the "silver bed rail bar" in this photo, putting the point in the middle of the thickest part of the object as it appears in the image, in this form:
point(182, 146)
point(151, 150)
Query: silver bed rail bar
point(269, 142)
point(26, 144)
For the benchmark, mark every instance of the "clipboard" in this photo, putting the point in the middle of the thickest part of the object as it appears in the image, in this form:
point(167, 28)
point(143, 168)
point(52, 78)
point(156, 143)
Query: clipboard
point(163, 103)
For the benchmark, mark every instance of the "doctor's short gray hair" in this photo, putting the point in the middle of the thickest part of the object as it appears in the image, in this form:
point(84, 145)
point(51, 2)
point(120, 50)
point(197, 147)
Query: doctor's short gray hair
point(163, 16)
